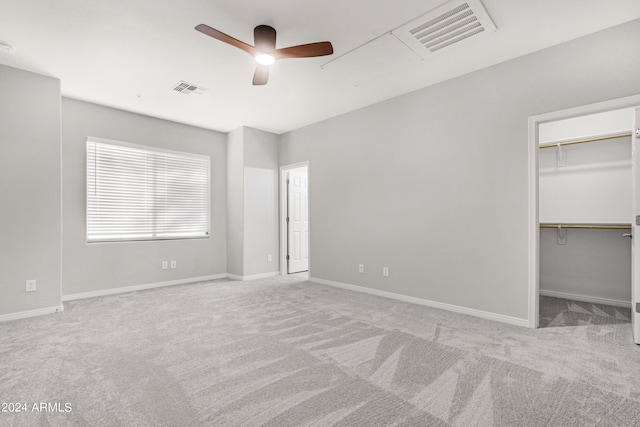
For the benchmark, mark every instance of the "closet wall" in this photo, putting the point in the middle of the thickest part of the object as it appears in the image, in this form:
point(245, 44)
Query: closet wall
point(593, 187)
point(30, 210)
point(252, 204)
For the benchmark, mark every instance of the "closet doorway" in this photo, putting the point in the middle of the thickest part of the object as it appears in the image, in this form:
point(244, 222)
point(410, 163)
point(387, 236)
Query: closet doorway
point(294, 218)
point(582, 201)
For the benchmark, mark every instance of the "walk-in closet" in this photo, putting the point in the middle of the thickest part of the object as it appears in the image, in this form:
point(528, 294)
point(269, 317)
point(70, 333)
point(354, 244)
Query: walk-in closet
point(585, 215)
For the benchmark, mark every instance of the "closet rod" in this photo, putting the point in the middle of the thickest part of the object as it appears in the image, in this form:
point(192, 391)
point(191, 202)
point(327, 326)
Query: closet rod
point(590, 226)
point(582, 141)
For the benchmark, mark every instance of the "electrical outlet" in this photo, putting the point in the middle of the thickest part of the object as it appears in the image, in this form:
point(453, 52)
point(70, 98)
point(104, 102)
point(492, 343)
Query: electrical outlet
point(165, 265)
point(361, 268)
point(30, 286)
point(174, 264)
point(385, 271)
point(269, 258)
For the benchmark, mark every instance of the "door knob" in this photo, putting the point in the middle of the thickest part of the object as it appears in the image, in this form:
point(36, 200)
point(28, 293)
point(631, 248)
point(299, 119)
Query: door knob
point(629, 235)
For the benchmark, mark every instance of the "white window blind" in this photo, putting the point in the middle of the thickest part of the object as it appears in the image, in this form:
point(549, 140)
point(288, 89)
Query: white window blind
point(140, 193)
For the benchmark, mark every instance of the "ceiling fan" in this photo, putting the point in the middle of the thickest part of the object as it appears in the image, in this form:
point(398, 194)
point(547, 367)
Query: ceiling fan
point(265, 51)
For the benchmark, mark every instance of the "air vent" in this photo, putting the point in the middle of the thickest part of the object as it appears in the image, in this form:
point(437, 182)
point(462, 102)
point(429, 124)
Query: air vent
point(447, 25)
point(188, 88)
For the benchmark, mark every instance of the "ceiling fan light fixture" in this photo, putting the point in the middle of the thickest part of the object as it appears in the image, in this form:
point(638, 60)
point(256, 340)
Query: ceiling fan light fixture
point(265, 59)
point(265, 52)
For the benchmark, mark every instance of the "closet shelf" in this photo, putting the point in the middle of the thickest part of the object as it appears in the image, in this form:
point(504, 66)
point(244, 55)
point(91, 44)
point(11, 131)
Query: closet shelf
point(582, 141)
point(588, 226)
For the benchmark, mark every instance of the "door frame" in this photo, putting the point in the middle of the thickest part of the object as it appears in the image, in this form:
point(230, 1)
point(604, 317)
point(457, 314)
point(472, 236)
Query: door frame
point(533, 171)
point(283, 212)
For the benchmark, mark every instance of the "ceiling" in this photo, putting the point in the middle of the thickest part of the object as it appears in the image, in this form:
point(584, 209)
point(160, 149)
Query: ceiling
point(130, 54)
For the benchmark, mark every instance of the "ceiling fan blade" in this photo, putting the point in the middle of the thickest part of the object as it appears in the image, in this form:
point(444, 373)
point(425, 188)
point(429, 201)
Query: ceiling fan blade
point(261, 76)
point(212, 32)
point(264, 37)
point(305, 50)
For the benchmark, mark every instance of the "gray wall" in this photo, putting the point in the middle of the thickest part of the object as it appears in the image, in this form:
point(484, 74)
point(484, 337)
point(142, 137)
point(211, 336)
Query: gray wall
point(261, 202)
point(235, 202)
point(592, 263)
point(30, 217)
point(433, 184)
point(253, 202)
point(98, 266)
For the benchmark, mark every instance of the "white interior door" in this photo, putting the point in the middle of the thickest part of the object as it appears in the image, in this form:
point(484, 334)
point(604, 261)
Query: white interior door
point(298, 221)
point(635, 245)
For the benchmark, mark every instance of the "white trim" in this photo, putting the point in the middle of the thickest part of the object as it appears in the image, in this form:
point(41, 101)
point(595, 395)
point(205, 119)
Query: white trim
point(533, 224)
point(261, 276)
point(283, 209)
point(124, 289)
point(586, 298)
point(434, 304)
point(146, 147)
point(61, 183)
point(533, 228)
point(31, 313)
point(253, 276)
point(295, 165)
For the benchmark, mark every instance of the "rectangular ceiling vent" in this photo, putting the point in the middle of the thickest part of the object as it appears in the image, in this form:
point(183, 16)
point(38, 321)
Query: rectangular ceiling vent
point(444, 26)
point(188, 88)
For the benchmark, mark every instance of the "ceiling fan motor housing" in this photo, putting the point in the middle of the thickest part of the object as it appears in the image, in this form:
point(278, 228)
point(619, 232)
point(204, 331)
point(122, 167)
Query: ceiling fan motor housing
point(264, 37)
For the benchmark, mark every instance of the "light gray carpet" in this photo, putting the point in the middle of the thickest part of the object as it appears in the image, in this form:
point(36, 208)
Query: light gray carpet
point(556, 312)
point(286, 352)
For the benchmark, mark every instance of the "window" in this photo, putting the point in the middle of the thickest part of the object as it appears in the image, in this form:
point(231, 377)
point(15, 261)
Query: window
point(143, 193)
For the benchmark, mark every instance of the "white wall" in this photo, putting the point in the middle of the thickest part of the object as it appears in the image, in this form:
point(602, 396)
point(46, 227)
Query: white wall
point(434, 183)
point(594, 187)
point(30, 217)
point(100, 266)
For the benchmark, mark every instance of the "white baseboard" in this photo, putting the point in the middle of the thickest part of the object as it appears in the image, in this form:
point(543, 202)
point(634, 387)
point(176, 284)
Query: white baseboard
point(414, 300)
point(253, 276)
point(30, 313)
point(113, 291)
point(585, 298)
